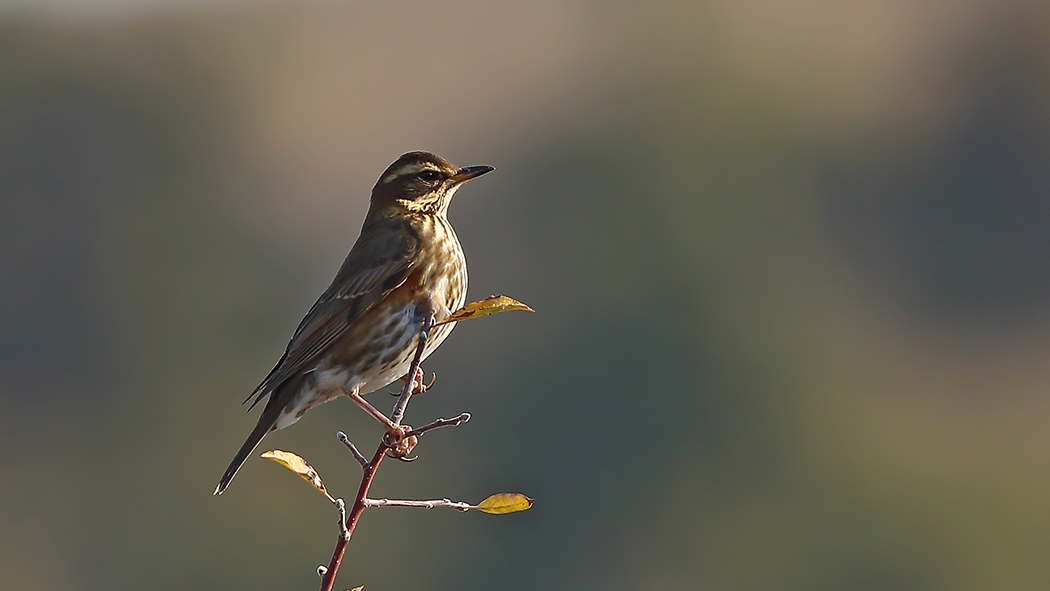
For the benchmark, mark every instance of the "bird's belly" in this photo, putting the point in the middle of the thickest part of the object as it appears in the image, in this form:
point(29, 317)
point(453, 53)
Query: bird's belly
point(364, 364)
point(397, 358)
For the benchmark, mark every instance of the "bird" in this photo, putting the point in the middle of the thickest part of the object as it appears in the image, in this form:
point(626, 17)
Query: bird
point(406, 269)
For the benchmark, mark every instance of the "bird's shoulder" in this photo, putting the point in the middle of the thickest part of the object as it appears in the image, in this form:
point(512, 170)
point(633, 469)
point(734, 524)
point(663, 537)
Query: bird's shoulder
point(382, 252)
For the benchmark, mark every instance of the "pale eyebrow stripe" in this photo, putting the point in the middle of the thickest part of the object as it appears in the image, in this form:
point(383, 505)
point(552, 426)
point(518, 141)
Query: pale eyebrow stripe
point(409, 169)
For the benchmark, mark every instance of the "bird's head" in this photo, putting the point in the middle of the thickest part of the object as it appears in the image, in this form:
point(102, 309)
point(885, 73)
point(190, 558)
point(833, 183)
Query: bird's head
point(419, 182)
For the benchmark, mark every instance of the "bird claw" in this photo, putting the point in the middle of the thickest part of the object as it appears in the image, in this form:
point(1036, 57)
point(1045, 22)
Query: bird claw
point(419, 387)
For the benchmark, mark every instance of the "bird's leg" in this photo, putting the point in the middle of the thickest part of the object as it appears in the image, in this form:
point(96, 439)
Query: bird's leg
point(389, 425)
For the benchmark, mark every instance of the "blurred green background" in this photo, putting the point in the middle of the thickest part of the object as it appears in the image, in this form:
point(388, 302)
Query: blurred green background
point(791, 263)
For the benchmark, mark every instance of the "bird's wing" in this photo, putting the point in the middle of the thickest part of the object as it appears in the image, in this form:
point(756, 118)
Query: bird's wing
point(377, 264)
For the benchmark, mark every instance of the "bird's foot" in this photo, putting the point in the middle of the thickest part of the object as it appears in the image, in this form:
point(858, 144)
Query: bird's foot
point(400, 443)
point(418, 386)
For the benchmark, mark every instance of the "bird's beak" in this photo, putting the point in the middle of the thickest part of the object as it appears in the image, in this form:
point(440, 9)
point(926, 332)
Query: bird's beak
point(468, 172)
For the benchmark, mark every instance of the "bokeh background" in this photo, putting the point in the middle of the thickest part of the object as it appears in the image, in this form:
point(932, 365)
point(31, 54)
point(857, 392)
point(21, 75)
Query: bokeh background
point(791, 262)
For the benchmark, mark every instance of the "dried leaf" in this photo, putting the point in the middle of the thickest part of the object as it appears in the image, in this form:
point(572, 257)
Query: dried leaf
point(490, 305)
point(500, 503)
point(298, 465)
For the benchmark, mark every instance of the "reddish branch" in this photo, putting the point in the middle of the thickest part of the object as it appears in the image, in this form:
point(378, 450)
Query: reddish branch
point(351, 520)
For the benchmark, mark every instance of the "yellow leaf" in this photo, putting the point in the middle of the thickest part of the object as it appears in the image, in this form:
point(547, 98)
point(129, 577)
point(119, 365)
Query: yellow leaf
point(504, 503)
point(490, 305)
point(298, 465)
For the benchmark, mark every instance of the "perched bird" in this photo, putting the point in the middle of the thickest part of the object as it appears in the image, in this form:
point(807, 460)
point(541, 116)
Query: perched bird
point(361, 334)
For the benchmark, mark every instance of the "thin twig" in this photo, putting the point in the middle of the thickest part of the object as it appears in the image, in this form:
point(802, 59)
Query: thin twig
point(341, 505)
point(361, 459)
point(410, 383)
point(453, 422)
point(457, 505)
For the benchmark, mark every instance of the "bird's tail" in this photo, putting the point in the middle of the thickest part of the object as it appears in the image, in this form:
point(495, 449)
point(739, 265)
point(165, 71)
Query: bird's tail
point(250, 444)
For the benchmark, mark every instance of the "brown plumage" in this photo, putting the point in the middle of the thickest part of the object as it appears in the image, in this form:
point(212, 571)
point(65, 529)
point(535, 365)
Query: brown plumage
point(360, 335)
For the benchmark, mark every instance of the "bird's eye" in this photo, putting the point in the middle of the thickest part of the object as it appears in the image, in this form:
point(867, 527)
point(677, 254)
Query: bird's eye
point(429, 176)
